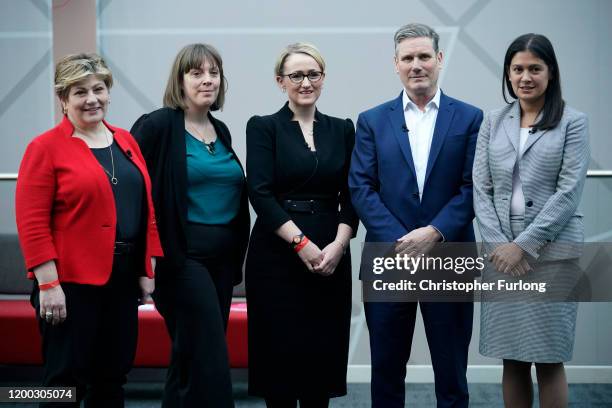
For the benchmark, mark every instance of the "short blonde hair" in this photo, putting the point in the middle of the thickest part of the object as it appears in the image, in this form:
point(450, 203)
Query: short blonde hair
point(191, 57)
point(298, 48)
point(74, 68)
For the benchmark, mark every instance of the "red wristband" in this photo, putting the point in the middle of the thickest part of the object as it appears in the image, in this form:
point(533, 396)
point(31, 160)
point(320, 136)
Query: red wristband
point(48, 285)
point(301, 245)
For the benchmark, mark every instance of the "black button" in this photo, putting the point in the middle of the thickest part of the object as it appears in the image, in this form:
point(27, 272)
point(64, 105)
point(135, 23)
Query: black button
point(529, 203)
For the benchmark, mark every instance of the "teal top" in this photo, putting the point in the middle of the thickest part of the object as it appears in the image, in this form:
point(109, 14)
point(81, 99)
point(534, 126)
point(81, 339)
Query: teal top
point(214, 183)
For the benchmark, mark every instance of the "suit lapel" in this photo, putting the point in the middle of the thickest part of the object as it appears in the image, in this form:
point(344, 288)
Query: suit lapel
point(532, 138)
point(125, 148)
point(398, 124)
point(443, 121)
point(512, 126)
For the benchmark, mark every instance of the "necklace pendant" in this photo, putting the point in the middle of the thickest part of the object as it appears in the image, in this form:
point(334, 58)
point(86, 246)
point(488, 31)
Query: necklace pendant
point(210, 148)
point(114, 180)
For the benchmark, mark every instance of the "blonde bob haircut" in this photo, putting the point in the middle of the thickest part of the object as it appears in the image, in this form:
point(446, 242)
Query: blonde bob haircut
point(74, 68)
point(191, 57)
point(298, 48)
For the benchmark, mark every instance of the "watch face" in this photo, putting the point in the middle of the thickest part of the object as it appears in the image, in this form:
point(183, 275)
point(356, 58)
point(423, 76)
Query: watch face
point(297, 239)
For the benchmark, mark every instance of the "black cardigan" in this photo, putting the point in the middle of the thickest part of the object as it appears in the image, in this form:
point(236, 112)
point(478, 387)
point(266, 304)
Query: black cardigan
point(161, 136)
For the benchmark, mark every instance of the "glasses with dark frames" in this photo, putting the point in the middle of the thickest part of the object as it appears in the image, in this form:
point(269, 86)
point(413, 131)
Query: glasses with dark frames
point(298, 77)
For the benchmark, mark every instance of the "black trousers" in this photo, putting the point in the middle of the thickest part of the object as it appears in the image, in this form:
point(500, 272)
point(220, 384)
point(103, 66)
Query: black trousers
point(94, 348)
point(195, 303)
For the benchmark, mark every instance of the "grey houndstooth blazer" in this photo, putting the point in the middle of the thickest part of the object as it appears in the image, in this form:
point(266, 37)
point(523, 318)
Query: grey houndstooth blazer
point(552, 170)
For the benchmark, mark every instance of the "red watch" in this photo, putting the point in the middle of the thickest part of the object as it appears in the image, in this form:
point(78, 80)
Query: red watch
point(297, 240)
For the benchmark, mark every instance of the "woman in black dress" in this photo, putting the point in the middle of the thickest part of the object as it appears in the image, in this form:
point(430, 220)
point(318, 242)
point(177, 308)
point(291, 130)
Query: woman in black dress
point(298, 272)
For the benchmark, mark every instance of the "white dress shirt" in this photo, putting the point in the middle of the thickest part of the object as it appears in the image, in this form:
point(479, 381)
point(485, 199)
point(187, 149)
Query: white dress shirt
point(517, 202)
point(420, 133)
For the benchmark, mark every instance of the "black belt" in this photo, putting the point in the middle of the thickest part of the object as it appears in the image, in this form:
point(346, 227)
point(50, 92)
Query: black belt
point(310, 206)
point(125, 248)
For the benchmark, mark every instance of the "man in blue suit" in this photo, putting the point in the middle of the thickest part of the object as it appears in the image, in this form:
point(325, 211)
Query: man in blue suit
point(411, 184)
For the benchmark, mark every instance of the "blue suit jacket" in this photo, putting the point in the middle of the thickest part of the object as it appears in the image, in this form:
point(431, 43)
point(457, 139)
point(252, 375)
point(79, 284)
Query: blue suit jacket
point(382, 179)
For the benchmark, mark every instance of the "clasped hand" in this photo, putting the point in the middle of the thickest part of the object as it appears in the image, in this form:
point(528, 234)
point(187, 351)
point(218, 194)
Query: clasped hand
point(509, 258)
point(323, 262)
point(418, 242)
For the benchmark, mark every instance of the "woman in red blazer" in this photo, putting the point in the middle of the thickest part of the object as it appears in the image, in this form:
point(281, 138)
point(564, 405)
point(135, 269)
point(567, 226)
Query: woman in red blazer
point(87, 229)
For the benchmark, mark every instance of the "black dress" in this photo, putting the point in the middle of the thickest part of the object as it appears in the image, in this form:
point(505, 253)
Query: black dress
point(299, 321)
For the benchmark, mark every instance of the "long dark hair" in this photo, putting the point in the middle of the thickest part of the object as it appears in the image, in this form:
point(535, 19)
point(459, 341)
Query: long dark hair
point(541, 47)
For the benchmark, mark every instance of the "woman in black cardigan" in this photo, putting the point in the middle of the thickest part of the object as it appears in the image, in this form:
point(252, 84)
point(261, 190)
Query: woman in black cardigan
point(202, 209)
point(298, 271)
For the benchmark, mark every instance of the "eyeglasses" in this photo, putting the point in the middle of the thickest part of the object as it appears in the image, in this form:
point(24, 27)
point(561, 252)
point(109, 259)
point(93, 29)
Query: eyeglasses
point(298, 77)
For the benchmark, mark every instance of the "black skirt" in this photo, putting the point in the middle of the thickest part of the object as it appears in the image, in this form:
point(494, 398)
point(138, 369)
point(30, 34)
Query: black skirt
point(298, 321)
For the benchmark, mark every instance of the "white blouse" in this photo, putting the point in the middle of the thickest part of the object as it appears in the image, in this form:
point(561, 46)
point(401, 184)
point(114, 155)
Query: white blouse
point(517, 203)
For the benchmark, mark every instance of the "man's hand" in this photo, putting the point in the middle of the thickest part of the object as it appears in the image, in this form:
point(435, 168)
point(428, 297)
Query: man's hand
point(418, 242)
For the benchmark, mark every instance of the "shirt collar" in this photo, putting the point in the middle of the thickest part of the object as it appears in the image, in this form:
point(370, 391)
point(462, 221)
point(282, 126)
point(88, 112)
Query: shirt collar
point(408, 104)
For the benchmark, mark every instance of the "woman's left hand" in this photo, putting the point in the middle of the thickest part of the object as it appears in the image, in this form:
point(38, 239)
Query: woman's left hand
point(507, 256)
point(147, 286)
point(332, 254)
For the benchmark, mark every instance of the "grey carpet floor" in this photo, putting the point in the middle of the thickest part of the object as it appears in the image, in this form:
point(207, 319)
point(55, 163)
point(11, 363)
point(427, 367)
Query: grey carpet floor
point(417, 395)
point(148, 394)
point(145, 387)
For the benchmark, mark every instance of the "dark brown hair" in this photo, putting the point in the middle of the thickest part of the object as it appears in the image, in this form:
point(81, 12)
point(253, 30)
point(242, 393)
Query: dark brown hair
point(192, 57)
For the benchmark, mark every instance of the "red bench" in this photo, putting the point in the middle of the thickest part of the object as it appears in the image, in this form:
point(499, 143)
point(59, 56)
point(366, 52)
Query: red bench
point(20, 338)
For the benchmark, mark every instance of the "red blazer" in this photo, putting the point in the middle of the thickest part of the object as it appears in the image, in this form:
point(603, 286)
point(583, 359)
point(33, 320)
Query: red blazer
point(65, 207)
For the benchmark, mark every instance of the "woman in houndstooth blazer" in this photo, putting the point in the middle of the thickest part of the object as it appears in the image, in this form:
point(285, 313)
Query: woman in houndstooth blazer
point(529, 171)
